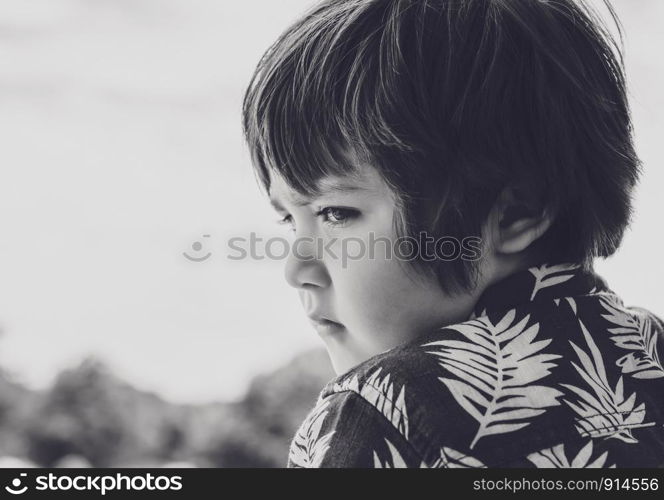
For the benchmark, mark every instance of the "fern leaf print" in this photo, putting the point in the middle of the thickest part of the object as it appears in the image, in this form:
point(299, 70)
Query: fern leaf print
point(395, 461)
point(308, 448)
point(603, 411)
point(495, 367)
point(634, 333)
point(555, 458)
point(548, 275)
point(453, 459)
point(379, 392)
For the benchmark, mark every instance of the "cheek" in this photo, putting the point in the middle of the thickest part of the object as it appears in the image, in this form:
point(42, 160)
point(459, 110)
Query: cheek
point(372, 290)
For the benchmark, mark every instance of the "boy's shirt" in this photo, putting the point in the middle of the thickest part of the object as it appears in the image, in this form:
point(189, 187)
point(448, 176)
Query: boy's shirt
point(551, 370)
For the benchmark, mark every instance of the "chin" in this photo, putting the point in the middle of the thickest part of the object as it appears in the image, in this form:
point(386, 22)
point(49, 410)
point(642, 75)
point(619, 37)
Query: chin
point(343, 362)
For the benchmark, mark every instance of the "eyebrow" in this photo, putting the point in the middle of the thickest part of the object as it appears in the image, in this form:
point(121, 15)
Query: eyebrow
point(328, 188)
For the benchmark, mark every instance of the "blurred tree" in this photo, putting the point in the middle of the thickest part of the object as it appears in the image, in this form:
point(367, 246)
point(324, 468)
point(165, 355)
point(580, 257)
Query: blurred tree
point(276, 403)
point(91, 413)
point(15, 403)
point(93, 416)
point(280, 400)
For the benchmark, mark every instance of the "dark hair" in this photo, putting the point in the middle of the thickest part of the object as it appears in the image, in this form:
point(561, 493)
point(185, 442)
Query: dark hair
point(452, 101)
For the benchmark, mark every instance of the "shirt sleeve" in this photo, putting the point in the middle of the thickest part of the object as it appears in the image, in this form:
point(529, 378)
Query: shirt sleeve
point(346, 431)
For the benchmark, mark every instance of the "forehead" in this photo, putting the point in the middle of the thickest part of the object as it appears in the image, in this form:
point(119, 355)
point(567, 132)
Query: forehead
point(364, 181)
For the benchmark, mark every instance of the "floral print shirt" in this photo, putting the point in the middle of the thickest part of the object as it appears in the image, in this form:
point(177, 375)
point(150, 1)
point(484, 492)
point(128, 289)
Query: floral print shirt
point(550, 370)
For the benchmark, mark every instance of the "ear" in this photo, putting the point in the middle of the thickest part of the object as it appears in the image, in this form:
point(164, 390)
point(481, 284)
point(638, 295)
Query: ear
point(514, 223)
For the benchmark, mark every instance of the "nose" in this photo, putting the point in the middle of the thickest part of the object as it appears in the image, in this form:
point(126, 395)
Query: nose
point(304, 268)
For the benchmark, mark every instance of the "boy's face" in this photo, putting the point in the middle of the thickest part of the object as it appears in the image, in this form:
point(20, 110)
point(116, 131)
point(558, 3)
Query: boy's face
point(374, 302)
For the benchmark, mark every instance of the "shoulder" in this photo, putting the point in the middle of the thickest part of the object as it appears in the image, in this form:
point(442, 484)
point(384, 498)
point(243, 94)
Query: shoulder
point(345, 430)
point(525, 384)
point(467, 387)
point(405, 402)
point(363, 417)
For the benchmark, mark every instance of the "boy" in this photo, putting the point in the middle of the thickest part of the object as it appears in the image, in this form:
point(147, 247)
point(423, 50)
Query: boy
point(503, 120)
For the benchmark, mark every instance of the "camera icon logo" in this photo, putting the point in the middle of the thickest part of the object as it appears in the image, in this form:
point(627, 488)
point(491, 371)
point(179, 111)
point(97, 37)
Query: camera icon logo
point(15, 487)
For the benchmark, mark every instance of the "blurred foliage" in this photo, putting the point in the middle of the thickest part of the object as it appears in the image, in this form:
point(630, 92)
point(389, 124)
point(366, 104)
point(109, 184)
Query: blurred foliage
point(91, 417)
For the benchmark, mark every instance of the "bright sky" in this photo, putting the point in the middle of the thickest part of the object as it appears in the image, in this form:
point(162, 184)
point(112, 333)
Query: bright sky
point(121, 146)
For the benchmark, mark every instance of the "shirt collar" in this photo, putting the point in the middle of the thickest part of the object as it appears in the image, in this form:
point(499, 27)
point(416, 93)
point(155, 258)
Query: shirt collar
point(543, 282)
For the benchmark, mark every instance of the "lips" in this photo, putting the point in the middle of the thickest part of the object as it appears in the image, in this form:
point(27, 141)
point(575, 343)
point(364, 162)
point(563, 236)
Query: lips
point(319, 316)
point(327, 327)
point(324, 321)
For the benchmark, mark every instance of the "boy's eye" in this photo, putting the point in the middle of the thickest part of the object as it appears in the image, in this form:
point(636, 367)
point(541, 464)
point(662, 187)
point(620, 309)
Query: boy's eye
point(288, 220)
point(337, 216)
point(332, 216)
